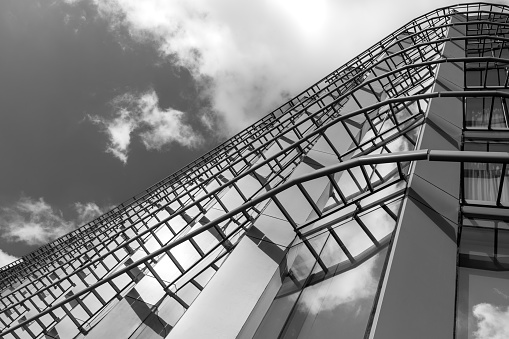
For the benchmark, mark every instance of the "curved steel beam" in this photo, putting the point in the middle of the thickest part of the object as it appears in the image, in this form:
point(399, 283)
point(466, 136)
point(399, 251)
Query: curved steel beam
point(176, 175)
point(419, 155)
point(406, 27)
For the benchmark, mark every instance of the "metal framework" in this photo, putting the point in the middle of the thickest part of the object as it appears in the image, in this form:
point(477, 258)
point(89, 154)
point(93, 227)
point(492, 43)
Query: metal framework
point(338, 150)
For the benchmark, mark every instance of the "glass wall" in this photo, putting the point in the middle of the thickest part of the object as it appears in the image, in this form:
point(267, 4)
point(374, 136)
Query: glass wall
point(483, 279)
point(486, 183)
point(482, 308)
point(336, 293)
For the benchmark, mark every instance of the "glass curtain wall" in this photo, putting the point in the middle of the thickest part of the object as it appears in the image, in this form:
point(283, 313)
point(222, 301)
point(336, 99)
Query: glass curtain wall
point(483, 272)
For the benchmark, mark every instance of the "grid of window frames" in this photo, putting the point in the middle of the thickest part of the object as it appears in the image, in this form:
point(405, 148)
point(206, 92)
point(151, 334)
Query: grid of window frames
point(483, 260)
point(120, 263)
point(144, 263)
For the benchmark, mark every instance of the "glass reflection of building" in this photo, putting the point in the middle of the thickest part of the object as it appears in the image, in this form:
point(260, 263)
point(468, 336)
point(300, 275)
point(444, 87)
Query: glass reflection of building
point(315, 222)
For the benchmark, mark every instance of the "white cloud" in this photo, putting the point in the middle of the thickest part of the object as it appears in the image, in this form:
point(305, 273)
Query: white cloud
point(119, 131)
point(164, 126)
point(492, 321)
point(35, 222)
point(87, 212)
point(346, 288)
point(259, 52)
point(142, 114)
point(6, 258)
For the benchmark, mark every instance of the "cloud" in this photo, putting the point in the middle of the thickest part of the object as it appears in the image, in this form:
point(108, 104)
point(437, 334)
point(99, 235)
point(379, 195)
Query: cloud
point(118, 131)
point(258, 53)
point(87, 212)
point(155, 126)
point(6, 258)
point(253, 67)
point(492, 321)
point(35, 222)
point(346, 288)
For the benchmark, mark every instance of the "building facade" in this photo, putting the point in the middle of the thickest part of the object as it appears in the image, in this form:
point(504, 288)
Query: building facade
point(375, 204)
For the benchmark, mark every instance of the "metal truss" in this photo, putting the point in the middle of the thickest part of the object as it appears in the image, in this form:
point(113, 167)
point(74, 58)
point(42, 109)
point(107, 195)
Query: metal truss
point(340, 129)
point(399, 159)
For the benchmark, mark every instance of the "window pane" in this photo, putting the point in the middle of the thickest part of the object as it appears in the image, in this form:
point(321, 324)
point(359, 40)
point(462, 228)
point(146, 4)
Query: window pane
point(477, 112)
point(482, 181)
point(498, 119)
point(485, 223)
point(326, 303)
point(477, 246)
point(483, 292)
point(483, 301)
point(341, 304)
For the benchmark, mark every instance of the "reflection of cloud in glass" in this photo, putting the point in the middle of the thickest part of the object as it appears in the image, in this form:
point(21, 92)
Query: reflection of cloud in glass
point(346, 288)
point(359, 283)
point(492, 321)
point(379, 222)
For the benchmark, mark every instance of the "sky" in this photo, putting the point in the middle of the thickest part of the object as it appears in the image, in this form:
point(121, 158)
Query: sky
point(100, 99)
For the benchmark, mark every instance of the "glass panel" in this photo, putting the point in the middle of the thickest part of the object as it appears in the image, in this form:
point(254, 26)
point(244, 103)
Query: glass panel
point(498, 118)
point(477, 245)
point(335, 218)
point(188, 293)
point(150, 290)
point(171, 311)
point(66, 328)
point(315, 188)
point(344, 302)
point(483, 304)
point(332, 254)
point(502, 251)
point(339, 137)
point(473, 78)
point(106, 292)
point(122, 321)
point(185, 254)
point(282, 305)
point(485, 223)
point(482, 181)
point(379, 223)
point(477, 112)
point(232, 199)
point(493, 78)
point(277, 230)
point(166, 269)
point(249, 185)
point(504, 197)
point(303, 263)
point(353, 237)
point(341, 303)
point(295, 204)
point(92, 303)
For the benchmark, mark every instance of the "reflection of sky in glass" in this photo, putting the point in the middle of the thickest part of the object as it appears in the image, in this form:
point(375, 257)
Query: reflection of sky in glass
point(483, 301)
point(341, 304)
point(483, 292)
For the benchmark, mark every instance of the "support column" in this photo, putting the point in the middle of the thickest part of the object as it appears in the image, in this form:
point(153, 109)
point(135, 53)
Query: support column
point(417, 299)
point(244, 286)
